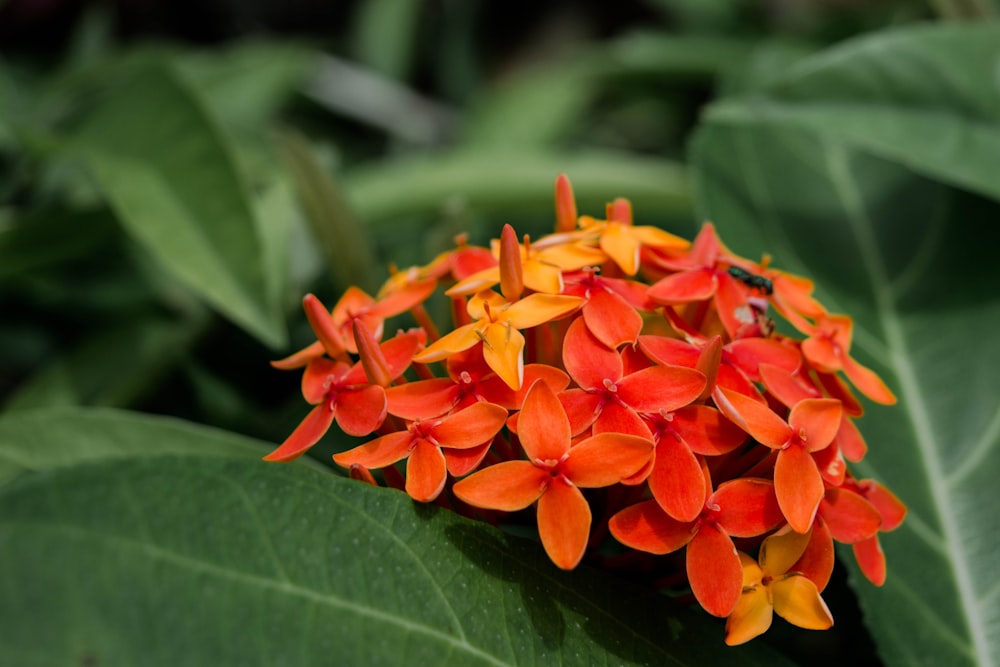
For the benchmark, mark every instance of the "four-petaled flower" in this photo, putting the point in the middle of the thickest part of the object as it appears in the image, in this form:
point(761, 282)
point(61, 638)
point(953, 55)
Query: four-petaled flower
point(770, 588)
point(421, 443)
point(554, 473)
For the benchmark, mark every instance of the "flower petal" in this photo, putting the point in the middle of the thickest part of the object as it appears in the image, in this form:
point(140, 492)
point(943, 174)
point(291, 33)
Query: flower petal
point(871, 559)
point(819, 419)
point(751, 616)
point(666, 388)
point(714, 570)
point(798, 485)
point(706, 431)
point(850, 441)
point(378, 453)
point(320, 375)
point(867, 382)
point(747, 506)
point(300, 358)
point(581, 407)
point(361, 411)
point(646, 527)
point(309, 431)
point(617, 418)
point(749, 353)
point(469, 427)
point(796, 599)
point(536, 309)
point(426, 472)
point(461, 462)
point(564, 523)
point(507, 486)
point(817, 560)
point(785, 386)
point(611, 319)
point(779, 552)
point(605, 459)
point(621, 247)
point(891, 508)
point(676, 480)
point(849, 516)
point(684, 287)
point(589, 361)
point(423, 399)
point(503, 350)
point(669, 351)
point(756, 419)
point(542, 425)
point(452, 342)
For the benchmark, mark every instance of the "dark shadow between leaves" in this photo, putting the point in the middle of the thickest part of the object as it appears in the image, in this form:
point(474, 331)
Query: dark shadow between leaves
point(634, 623)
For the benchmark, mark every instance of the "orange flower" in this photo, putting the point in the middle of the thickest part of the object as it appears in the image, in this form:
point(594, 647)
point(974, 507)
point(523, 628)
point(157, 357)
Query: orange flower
point(812, 425)
point(828, 349)
point(421, 443)
point(554, 474)
point(611, 400)
point(769, 588)
point(344, 393)
point(744, 507)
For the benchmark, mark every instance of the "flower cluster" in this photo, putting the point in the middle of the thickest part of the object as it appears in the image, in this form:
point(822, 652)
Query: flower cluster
point(616, 370)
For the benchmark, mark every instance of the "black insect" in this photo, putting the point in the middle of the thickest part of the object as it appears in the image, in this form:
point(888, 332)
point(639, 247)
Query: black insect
point(752, 279)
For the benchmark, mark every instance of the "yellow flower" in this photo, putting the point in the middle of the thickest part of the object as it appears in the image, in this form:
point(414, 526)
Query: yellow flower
point(498, 324)
point(769, 588)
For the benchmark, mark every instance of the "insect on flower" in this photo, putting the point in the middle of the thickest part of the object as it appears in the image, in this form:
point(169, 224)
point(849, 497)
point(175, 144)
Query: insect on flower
point(752, 280)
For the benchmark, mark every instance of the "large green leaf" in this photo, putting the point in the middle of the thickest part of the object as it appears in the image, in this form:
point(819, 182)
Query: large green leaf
point(38, 440)
point(167, 558)
point(912, 260)
point(926, 97)
point(167, 171)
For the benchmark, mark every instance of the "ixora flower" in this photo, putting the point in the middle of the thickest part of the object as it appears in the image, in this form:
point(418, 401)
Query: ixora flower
point(625, 395)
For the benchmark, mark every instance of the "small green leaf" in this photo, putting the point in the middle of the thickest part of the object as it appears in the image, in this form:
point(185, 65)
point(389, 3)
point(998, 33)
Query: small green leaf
point(168, 174)
point(213, 560)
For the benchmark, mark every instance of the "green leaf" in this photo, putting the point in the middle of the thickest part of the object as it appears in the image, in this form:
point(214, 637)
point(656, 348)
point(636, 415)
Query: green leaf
point(912, 260)
point(167, 172)
point(40, 440)
point(98, 372)
point(130, 538)
point(214, 560)
point(923, 96)
point(333, 224)
point(35, 241)
point(384, 35)
point(247, 83)
point(523, 181)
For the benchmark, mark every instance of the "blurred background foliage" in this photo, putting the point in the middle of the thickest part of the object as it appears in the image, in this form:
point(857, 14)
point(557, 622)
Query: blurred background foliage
point(174, 176)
